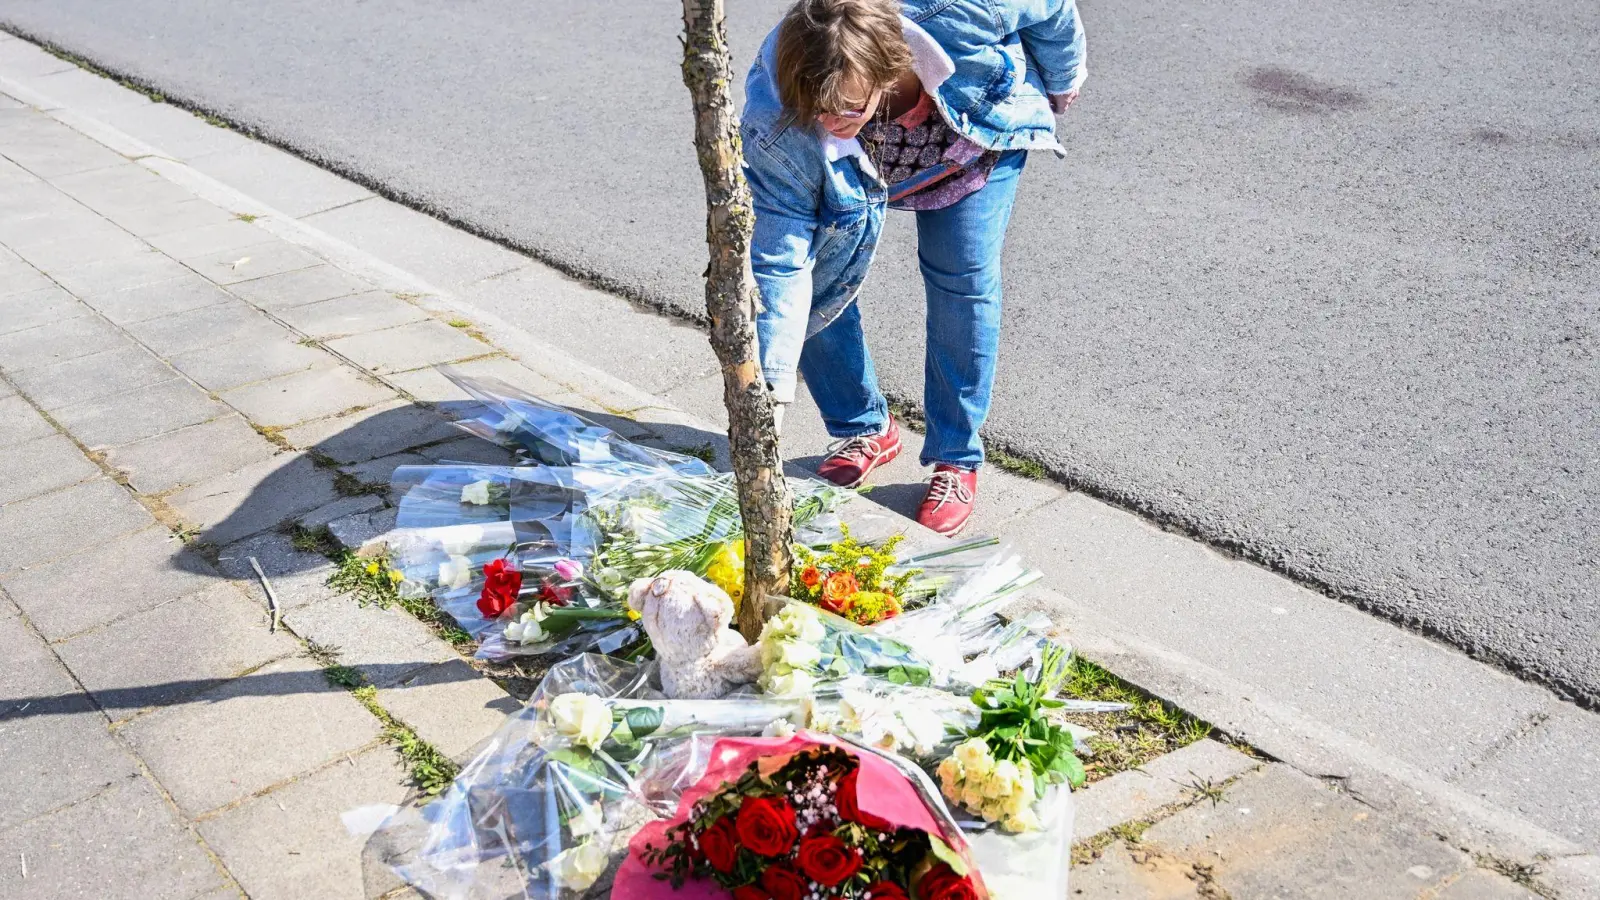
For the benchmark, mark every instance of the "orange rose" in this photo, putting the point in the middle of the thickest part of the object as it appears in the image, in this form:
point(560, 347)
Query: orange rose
point(838, 590)
point(811, 577)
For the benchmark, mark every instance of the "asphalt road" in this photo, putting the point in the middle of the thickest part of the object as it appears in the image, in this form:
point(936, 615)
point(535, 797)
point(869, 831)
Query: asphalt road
point(1320, 284)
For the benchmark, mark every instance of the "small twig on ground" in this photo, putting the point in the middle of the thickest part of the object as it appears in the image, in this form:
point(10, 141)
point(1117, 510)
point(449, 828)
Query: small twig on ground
point(272, 598)
point(24, 867)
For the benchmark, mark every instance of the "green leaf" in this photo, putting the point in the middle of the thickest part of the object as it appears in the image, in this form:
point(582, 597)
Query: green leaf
point(942, 852)
point(643, 720)
point(1076, 775)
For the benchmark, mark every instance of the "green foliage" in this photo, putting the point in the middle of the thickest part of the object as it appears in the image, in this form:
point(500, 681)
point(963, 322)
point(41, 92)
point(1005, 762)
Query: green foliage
point(703, 452)
point(1014, 725)
point(431, 771)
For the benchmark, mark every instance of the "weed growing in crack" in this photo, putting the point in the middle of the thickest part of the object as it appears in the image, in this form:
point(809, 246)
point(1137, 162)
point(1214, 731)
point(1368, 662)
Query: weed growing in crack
point(369, 578)
point(314, 540)
point(1016, 465)
point(1523, 874)
point(373, 581)
point(324, 655)
point(247, 218)
point(706, 453)
point(1129, 739)
point(431, 771)
point(1204, 789)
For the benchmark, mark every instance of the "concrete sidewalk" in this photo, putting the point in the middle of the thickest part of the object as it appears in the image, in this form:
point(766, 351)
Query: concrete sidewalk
point(211, 356)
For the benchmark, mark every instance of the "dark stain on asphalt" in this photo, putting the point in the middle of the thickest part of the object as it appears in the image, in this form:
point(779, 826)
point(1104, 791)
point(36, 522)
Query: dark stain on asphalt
point(1289, 91)
point(1492, 136)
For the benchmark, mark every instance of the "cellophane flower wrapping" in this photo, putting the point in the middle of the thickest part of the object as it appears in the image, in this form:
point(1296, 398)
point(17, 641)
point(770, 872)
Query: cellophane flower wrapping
point(551, 435)
point(547, 806)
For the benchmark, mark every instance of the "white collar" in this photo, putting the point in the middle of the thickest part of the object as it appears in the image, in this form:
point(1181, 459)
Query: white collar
point(933, 67)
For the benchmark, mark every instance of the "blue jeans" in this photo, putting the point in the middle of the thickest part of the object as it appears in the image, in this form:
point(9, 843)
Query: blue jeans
point(958, 248)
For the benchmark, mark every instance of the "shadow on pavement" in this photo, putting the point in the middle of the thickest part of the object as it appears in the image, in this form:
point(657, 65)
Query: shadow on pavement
point(207, 690)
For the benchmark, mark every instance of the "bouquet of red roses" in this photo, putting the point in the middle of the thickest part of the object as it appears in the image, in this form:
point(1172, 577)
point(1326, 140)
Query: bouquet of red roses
point(804, 818)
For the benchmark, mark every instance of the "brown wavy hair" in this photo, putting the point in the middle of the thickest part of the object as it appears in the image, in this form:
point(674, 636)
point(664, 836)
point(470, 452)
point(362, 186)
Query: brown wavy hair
point(824, 45)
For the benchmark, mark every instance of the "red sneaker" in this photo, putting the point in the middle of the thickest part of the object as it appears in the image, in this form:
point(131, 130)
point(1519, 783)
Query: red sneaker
point(952, 492)
point(851, 460)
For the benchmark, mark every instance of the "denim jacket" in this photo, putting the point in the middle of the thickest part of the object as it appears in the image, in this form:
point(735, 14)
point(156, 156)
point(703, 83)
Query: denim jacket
point(819, 204)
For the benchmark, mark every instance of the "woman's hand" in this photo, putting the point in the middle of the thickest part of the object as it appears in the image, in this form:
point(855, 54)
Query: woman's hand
point(1060, 103)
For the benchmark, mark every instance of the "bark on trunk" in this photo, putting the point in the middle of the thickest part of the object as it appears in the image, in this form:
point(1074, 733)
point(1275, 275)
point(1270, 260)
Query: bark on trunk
point(731, 303)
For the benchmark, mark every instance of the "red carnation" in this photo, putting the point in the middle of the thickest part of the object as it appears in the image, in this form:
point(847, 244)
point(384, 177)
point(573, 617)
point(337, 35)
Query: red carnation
point(500, 587)
point(886, 890)
point(750, 892)
point(766, 826)
point(826, 860)
point(720, 845)
point(783, 883)
point(942, 883)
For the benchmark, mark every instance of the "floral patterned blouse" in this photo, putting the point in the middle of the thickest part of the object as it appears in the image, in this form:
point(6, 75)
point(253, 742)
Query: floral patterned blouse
point(926, 164)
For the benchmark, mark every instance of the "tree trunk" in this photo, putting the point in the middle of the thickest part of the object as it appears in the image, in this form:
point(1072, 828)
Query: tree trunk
point(731, 302)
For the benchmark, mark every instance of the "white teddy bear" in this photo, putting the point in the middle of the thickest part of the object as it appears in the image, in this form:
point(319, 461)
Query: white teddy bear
point(687, 620)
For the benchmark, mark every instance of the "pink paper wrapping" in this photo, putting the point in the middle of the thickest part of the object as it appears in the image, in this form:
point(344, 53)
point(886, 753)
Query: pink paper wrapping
point(881, 791)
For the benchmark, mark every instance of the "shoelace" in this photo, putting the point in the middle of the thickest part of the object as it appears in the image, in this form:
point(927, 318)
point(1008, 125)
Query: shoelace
point(946, 486)
point(866, 444)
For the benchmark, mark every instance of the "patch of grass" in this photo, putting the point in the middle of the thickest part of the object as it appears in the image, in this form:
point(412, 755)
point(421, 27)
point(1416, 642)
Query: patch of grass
point(1016, 465)
point(213, 121)
point(458, 323)
point(431, 771)
point(372, 580)
point(706, 453)
point(409, 297)
point(1125, 740)
point(247, 218)
point(343, 676)
point(314, 540)
point(348, 485)
point(429, 613)
point(309, 342)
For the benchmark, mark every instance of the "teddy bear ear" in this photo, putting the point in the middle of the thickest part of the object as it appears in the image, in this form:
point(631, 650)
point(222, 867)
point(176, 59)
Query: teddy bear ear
point(637, 592)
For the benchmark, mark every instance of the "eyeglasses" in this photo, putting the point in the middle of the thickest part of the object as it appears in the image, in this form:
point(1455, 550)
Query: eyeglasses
point(860, 111)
